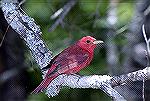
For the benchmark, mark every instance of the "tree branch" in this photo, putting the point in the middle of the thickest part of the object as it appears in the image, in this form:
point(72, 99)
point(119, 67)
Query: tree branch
point(27, 29)
point(103, 82)
point(62, 12)
point(30, 32)
point(76, 81)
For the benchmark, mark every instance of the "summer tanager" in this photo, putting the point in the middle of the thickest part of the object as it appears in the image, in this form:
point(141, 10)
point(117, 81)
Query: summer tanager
point(70, 61)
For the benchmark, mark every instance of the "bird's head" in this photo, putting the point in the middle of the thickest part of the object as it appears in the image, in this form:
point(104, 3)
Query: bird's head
point(89, 43)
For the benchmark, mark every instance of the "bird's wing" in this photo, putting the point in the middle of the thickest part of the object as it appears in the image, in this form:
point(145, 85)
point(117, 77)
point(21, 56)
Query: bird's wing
point(50, 64)
point(69, 61)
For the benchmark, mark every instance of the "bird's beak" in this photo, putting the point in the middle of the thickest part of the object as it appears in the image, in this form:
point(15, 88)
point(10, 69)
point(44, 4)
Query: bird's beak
point(98, 42)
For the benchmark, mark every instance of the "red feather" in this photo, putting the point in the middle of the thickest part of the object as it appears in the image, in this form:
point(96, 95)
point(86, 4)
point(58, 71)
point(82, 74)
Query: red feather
point(69, 61)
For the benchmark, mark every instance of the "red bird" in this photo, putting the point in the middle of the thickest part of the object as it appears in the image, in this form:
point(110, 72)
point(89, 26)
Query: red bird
point(70, 61)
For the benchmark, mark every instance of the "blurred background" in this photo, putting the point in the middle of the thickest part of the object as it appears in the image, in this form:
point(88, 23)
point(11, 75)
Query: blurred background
point(116, 22)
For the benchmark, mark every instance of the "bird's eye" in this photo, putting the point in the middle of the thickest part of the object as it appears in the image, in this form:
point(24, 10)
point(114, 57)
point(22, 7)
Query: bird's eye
point(88, 41)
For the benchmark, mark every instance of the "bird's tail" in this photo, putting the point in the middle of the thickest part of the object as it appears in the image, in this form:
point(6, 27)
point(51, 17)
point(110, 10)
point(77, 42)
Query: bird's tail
point(43, 85)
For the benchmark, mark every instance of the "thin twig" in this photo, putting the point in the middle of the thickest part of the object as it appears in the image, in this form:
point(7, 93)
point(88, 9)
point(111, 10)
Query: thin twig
point(147, 56)
point(144, 34)
point(8, 74)
point(147, 45)
point(65, 11)
point(143, 90)
point(147, 11)
point(6, 32)
point(57, 13)
point(23, 1)
point(4, 36)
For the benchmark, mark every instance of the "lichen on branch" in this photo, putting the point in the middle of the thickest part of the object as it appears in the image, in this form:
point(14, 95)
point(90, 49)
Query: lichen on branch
point(26, 27)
